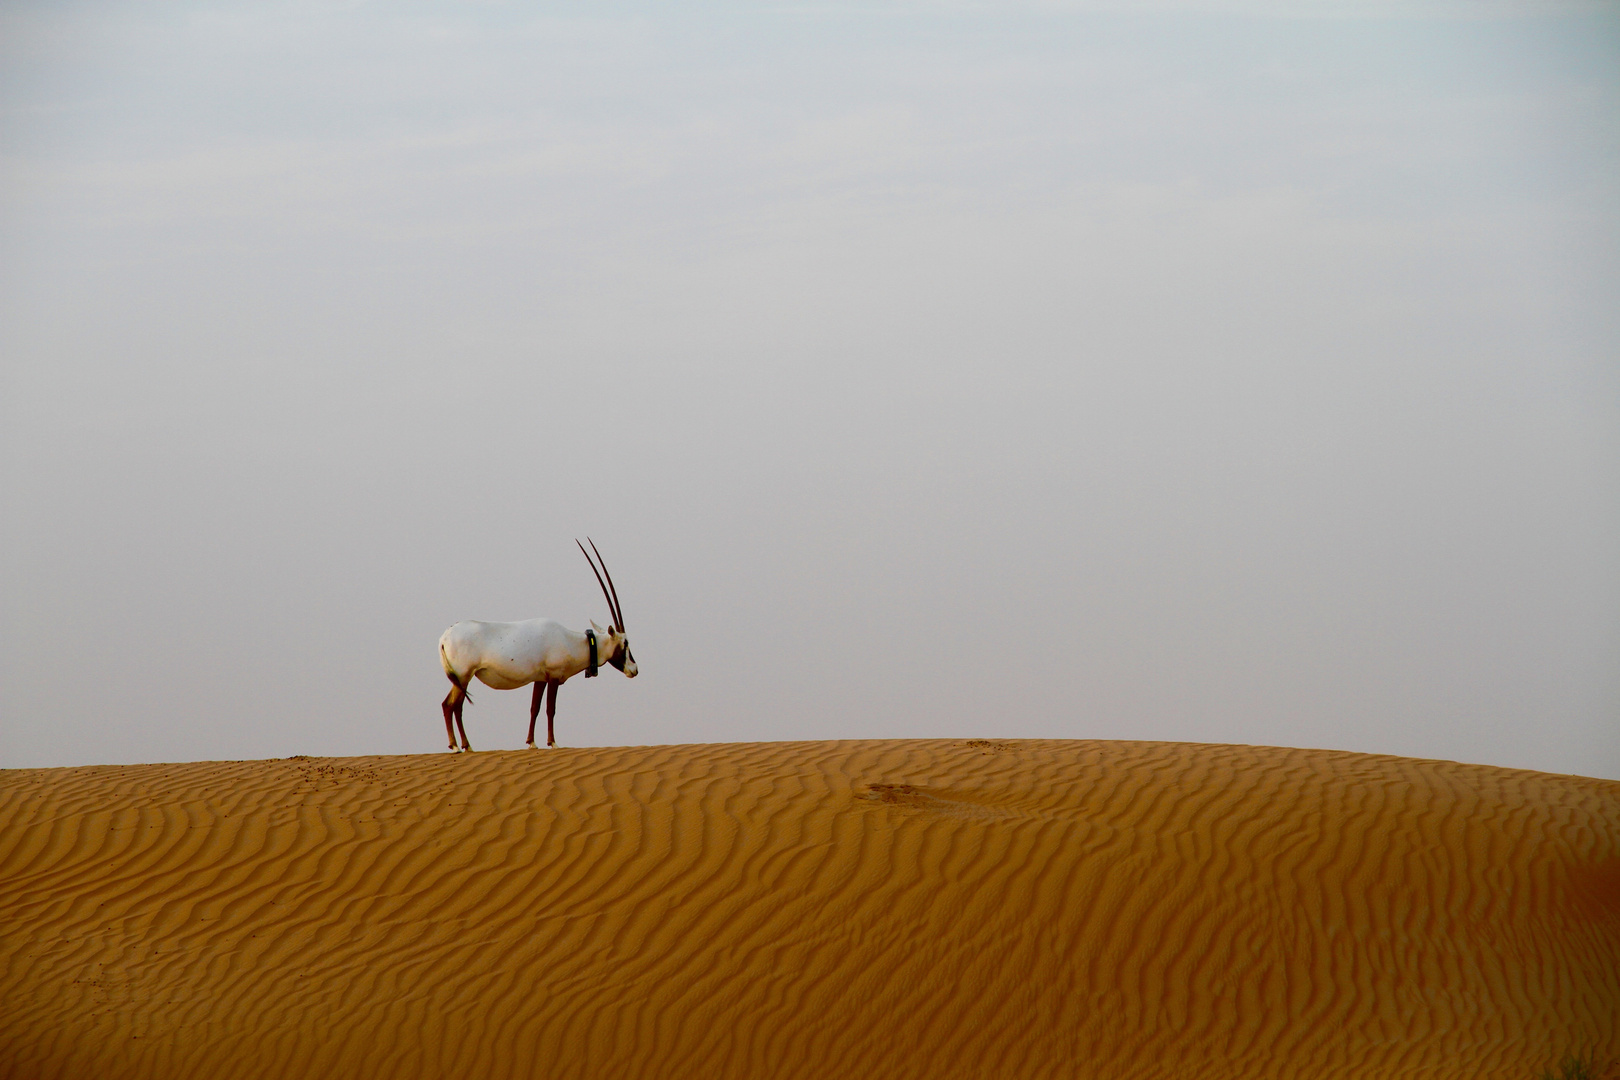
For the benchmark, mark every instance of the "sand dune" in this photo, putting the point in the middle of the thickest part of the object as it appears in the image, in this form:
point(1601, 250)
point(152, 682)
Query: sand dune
point(845, 909)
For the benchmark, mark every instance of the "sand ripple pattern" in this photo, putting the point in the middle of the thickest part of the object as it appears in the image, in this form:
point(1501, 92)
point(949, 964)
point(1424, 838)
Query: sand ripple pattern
point(890, 909)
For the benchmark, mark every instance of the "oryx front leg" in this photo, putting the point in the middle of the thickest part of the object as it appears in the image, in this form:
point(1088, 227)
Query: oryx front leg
point(551, 712)
point(534, 709)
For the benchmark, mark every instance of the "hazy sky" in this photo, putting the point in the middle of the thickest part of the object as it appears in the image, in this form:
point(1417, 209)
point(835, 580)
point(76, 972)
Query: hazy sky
point(1228, 372)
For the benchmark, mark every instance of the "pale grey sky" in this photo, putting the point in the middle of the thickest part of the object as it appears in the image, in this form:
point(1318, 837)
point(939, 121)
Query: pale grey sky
point(1229, 372)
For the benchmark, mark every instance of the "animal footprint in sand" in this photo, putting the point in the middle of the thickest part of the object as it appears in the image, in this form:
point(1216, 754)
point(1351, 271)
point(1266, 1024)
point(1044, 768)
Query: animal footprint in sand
point(896, 795)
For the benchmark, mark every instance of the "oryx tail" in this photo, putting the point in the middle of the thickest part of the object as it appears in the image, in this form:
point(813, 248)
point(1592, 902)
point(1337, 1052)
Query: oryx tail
point(456, 680)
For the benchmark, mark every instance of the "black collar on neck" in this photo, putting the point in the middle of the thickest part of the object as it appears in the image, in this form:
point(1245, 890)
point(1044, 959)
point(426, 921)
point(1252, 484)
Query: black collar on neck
point(590, 669)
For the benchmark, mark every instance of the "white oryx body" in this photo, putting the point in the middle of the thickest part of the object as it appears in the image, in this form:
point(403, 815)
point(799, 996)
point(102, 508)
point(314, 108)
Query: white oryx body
point(507, 655)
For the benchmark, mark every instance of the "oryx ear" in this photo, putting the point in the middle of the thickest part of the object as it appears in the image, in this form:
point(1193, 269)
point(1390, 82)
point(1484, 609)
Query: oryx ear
point(598, 629)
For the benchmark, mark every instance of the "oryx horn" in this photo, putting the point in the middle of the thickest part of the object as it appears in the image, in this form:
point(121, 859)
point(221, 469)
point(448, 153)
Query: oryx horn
point(610, 594)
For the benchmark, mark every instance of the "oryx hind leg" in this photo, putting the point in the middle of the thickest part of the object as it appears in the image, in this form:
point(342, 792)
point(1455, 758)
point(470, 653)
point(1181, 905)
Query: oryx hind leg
point(452, 705)
point(465, 745)
point(449, 705)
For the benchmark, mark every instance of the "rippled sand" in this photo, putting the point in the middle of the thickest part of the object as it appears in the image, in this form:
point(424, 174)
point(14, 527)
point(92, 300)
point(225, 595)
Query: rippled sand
point(839, 909)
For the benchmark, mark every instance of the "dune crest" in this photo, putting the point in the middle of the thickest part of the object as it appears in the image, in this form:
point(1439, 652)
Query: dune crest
point(897, 909)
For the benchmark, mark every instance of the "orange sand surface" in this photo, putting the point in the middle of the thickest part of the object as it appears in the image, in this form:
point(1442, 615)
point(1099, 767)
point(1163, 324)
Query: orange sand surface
point(836, 909)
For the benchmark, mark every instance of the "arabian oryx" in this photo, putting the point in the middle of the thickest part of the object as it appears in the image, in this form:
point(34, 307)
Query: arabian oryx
point(507, 655)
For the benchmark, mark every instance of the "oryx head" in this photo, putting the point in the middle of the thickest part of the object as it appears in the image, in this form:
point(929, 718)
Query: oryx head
point(614, 646)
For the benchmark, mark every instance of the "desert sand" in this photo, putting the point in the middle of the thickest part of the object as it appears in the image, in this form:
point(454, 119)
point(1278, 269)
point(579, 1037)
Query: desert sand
point(836, 909)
